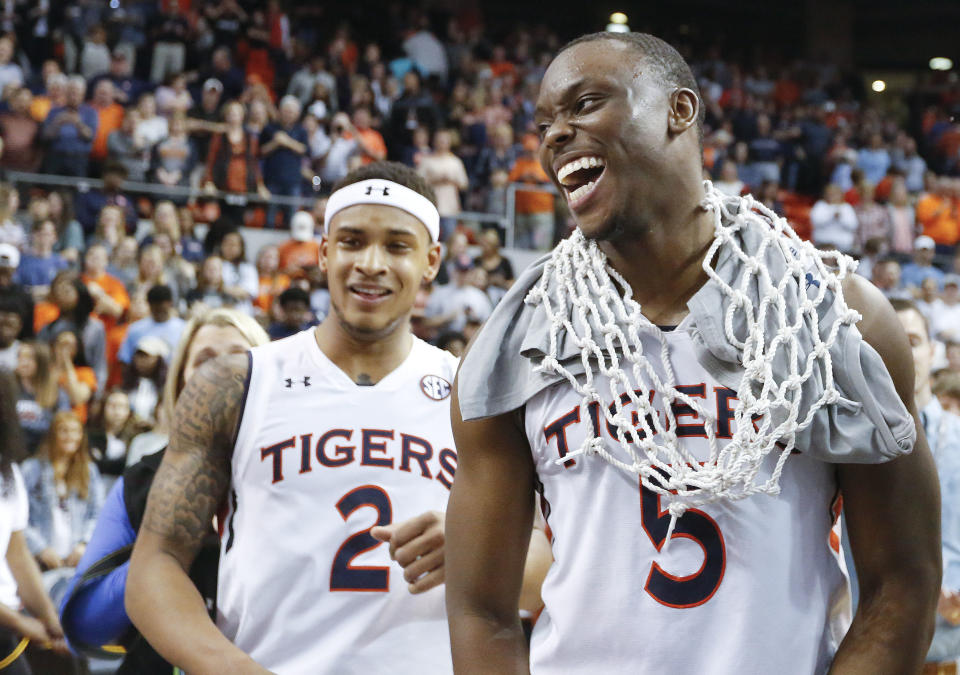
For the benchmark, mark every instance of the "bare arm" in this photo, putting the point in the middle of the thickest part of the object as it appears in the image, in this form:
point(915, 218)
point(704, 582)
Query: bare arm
point(30, 585)
point(191, 483)
point(488, 533)
point(893, 515)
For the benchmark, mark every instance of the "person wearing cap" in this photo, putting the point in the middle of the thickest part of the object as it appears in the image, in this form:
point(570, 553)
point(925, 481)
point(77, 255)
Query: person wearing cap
point(143, 377)
point(301, 249)
point(361, 368)
point(204, 119)
point(946, 324)
point(922, 267)
point(283, 144)
point(12, 293)
point(162, 323)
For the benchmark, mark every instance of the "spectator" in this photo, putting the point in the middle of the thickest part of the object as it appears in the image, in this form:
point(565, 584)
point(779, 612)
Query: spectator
point(874, 160)
point(123, 260)
point(886, 277)
point(946, 323)
point(69, 132)
point(498, 268)
point(55, 96)
point(144, 375)
point(126, 87)
point(170, 49)
point(451, 307)
point(301, 249)
point(151, 127)
point(37, 270)
point(209, 291)
point(27, 609)
point(11, 75)
point(335, 164)
point(295, 314)
point(151, 271)
point(204, 119)
point(420, 147)
point(126, 147)
point(223, 70)
point(70, 241)
point(534, 208)
point(914, 273)
point(173, 98)
point(232, 164)
point(110, 297)
point(834, 221)
point(38, 397)
point(95, 55)
point(873, 220)
point(938, 213)
point(11, 324)
point(91, 203)
point(13, 293)
point(729, 182)
point(162, 323)
point(272, 281)
point(65, 495)
point(445, 173)
point(110, 435)
point(929, 302)
point(70, 308)
point(911, 165)
point(283, 145)
point(304, 81)
point(426, 51)
point(369, 141)
point(902, 218)
point(173, 157)
point(20, 133)
point(500, 155)
point(74, 377)
point(111, 230)
point(11, 232)
point(109, 119)
point(240, 280)
point(765, 153)
point(414, 109)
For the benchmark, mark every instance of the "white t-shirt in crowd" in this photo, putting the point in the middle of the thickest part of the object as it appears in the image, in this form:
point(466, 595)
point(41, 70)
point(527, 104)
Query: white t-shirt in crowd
point(13, 518)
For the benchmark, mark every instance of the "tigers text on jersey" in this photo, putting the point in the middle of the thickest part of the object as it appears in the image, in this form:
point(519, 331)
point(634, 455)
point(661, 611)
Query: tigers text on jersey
point(319, 460)
point(748, 586)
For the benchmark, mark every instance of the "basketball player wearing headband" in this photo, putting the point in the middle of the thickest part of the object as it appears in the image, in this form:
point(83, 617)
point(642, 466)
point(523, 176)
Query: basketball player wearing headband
point(689, 388)
point(329, 452)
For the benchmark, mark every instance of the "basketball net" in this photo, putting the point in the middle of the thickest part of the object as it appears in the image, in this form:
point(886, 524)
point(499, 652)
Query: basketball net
point(580, 291)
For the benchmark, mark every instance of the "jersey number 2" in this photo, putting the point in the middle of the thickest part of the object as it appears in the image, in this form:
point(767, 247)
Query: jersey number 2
point(343, 575)
point(694, 589)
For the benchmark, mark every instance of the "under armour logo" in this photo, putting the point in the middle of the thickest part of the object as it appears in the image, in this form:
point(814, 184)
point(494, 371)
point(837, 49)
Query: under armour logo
point(812, 281)
point(305, 382)
point(385, 191)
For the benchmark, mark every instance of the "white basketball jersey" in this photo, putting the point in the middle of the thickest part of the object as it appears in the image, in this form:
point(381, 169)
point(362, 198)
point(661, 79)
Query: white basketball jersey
point(319, 460)
point(748, 586)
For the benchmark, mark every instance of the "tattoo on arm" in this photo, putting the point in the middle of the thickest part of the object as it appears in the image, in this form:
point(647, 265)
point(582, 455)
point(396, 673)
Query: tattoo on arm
point(195, 474)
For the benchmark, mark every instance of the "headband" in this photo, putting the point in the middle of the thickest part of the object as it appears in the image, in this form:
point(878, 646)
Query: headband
point(383, 192)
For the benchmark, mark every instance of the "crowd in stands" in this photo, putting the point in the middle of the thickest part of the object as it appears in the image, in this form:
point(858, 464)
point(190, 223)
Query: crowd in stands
point(213, 98)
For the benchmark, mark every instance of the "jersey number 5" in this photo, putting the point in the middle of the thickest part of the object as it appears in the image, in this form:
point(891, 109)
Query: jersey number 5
point(694, 589)
point(343, 575)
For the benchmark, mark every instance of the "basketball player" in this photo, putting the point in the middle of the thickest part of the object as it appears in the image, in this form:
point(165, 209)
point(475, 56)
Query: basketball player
point(746, 585)
point(323, 446)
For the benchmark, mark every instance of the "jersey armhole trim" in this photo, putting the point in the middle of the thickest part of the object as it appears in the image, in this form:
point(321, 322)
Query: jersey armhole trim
point(243, 402)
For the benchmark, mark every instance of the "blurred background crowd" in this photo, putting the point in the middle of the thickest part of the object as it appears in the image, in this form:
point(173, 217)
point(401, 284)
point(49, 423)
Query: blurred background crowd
point(163, 157)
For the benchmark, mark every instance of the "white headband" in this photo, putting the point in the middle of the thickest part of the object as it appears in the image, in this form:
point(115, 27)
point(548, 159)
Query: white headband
point(384, 192)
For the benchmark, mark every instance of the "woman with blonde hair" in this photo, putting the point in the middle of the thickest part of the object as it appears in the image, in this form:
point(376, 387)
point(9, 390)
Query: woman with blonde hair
point(93, 613)
point(111, 227)
point(65, 494)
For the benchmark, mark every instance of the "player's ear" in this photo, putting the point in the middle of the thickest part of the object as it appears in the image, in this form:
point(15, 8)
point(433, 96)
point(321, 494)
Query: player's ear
point(324, 242)
point(684, 109)
point(434, 258)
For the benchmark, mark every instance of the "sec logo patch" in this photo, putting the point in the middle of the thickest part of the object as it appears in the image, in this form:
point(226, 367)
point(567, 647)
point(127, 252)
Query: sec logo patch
point(434, 387)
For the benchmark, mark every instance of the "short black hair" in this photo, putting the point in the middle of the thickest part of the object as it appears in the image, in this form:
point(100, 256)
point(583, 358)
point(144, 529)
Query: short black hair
point(159, 293)
point(294, 294)
point(392, 171)
point(668, 64)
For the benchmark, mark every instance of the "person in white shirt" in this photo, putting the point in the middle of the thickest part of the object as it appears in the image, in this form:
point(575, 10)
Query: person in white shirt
point(834, 221)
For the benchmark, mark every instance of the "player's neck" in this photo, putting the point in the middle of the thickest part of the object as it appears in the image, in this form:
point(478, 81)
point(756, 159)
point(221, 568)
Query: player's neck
point(364, 361)
point(663, 263)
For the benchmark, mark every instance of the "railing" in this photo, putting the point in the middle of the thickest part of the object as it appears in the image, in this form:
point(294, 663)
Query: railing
point(505, 221)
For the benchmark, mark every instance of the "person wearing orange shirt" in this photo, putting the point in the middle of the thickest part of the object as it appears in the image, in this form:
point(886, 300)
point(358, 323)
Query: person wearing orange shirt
point(938, 212)
point(534, 208)
point(302, 249)
point(109, 118)
point(369, 141)
point(273, 282)
point(73, 376)
point(109, 295)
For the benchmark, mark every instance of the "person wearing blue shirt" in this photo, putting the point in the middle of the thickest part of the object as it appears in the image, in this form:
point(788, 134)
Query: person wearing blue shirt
point(37, 270)
point(913, 273)
point(161, 323)
point(283, 145)
point(942, 430)
point(69, 131)
point(874, 160)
